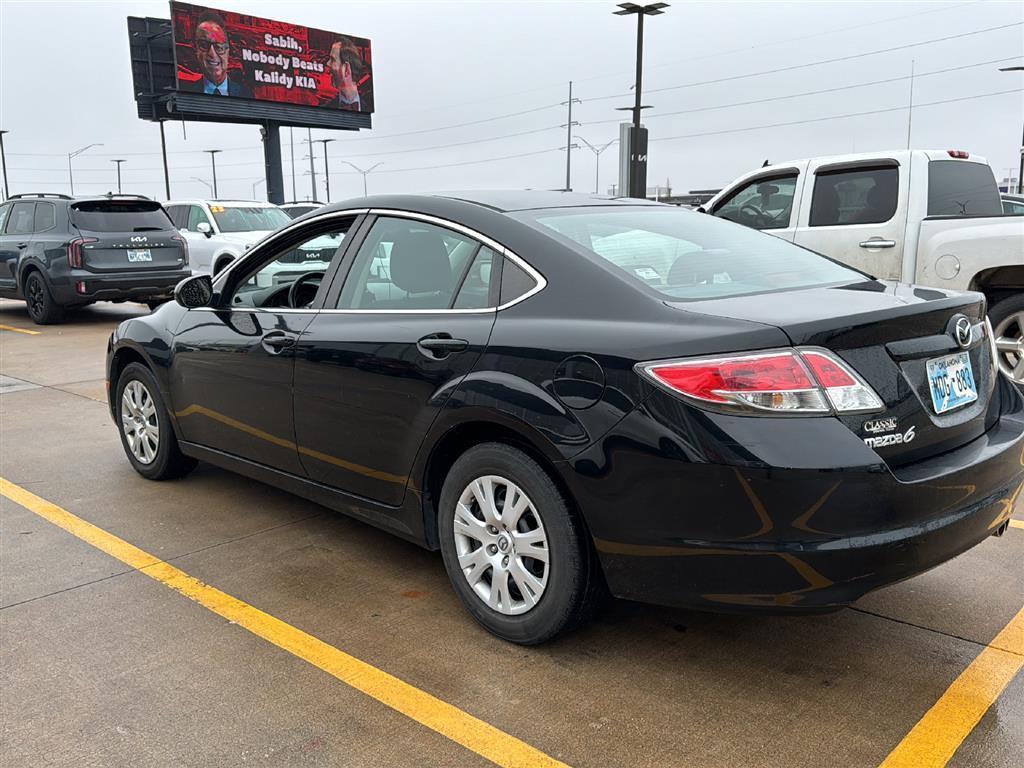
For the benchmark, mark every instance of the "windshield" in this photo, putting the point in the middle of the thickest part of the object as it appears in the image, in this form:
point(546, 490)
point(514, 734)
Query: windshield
point(688, 256)
point(248, 218)
point(119, 216)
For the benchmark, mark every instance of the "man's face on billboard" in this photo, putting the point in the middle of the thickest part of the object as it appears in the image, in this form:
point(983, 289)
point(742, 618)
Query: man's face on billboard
point(212, 51)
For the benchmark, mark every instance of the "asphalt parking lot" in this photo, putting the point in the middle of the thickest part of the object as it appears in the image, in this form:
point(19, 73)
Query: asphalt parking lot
point(306, 638)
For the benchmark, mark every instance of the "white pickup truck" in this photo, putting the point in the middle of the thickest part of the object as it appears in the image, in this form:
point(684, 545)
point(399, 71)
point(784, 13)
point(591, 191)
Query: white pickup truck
point(919, 216)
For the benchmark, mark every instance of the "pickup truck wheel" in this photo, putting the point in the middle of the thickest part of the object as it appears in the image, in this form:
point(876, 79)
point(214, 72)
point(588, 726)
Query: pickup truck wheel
point(1007, 318)
point(42, 307)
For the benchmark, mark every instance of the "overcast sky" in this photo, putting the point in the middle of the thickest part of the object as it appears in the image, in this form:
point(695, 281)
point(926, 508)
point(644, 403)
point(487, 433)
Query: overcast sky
point(65, 83)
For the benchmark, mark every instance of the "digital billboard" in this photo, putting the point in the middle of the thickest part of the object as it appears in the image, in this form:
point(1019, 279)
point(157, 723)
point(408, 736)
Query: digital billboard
point(224, 53)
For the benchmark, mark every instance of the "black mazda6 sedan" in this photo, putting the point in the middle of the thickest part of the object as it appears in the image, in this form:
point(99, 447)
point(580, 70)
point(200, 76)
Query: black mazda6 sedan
point(567, 394)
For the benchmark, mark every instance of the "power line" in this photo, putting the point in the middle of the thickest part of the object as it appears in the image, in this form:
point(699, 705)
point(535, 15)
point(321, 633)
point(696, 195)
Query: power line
point(808, 64)
point(834, 117)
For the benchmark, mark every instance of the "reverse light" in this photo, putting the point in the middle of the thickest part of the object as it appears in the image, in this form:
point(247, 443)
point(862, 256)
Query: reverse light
point(786, 381)
point(75, 251)
point(184, 247)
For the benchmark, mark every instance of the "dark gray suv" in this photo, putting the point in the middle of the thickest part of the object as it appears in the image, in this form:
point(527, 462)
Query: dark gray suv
point(58, 252)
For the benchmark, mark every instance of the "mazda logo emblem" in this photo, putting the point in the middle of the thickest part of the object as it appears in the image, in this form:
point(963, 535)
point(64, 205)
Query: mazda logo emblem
point(962, 332)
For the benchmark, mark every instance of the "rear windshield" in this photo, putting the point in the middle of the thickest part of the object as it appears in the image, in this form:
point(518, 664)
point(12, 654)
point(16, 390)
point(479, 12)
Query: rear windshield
point(249, 218)
point(956, 188)
point(688, 256)
point(119, 216)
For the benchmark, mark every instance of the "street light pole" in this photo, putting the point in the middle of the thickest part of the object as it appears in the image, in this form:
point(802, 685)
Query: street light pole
point(204, 181)
point(118, 174)
point(638, 145)
point(1020, 173)
point(213, 164)
point(597, 160)
point(327, 175)
point(76, 153)
point(360, 170)
point(3, 161)
point(312, 170)
point(256, 184)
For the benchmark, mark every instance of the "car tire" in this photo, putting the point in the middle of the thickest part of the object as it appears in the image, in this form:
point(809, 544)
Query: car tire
point(146, 433)
point(42, 307)
point(154, 304)
point(564, 591)
point(1007, 319)
point(222, 265)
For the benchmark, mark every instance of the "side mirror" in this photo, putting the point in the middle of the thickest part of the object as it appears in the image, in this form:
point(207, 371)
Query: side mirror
point(700, 209)
point(205, 228)
point(195, 291)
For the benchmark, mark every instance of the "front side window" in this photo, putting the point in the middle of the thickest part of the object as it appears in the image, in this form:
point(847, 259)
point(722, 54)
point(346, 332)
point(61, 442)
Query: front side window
point(22, 219)
point(689, 256)
point(4, 211)
point(196, 216)
point(410, 264)
point(248, 218)
point(856, 196)
point(765, 203)
point(271, 282)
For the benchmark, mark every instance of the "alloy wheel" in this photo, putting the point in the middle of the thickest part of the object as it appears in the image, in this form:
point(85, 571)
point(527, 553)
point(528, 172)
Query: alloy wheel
point(1009, 334)
point(35, 299)
point(139, 421)
point(501, 545)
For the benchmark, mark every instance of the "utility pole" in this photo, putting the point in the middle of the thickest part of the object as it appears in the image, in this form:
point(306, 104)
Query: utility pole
point(360, 170)
point(1020, 174)
point(167, 174)
point(291, 139)
point(118, 174)
point(327, 174)
point(76, 153)
point(638, 139)
point(597, 160)
point(3, 161)
point(213, 164)
point(312, 170)
point(568, 141)
point(910, 107)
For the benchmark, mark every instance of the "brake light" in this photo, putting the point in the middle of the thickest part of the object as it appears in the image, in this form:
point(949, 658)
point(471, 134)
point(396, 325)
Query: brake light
point(184, 247)
point(787, 381)
point(959, 154)
point(75, 250)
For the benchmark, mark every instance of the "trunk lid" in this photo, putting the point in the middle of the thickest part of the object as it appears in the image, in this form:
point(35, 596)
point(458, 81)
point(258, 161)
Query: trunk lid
point(126, 235)
point(887, 332)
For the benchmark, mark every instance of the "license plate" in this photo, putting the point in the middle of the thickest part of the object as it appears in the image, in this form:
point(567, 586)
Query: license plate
point(951, 382)
point(143, 255)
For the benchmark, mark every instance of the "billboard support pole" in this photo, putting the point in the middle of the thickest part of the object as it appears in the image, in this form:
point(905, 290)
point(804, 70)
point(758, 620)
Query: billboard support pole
point(163, 150)
point(272, 160)
point(291, 139)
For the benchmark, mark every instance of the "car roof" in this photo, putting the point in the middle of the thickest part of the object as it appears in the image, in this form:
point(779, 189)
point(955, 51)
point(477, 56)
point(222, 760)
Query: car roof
point(500, 201)
point(197, 201)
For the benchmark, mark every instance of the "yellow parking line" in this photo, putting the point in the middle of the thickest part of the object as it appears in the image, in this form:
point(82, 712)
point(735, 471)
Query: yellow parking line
point(1016, 523)
point(937, 736)
point(449, 721)
point(19, 330)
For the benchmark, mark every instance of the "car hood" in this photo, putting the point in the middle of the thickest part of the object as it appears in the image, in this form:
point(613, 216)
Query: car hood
point(244, 238)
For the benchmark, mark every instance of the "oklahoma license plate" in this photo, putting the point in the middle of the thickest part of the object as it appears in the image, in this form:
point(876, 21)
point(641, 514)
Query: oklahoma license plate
point(143, 255)
point(951, 382)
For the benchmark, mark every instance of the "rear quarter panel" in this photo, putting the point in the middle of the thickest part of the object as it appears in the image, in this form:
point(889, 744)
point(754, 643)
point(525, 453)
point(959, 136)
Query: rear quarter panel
point(952, 251)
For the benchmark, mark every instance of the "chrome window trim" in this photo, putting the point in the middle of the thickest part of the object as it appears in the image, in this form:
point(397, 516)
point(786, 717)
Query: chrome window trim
point(540, 283)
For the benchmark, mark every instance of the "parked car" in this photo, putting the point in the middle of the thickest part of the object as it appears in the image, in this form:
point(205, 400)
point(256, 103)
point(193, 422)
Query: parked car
point(928, 217)
point(300, 207)
point(1013, 205)
point(566, 391)
point(58, 252)
point(219, 231)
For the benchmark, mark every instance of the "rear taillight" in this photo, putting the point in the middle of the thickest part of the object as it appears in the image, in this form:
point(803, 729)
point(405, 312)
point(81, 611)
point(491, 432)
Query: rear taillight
point(184, 247)
point(75, 251)
point(800, 381)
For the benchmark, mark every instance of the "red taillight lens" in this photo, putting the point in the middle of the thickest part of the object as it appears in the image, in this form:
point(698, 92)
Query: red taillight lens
point(959, 154)
point(184, 247)
point(75, 251)
point(797, 381)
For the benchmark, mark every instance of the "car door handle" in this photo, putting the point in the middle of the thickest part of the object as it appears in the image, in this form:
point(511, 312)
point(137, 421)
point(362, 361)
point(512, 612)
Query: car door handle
point(275, 342)
point(440, 345)
point(878, 243)
point(23, 245)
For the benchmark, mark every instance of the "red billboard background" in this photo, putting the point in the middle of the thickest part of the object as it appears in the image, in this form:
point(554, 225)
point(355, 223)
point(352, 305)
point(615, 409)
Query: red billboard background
point(269, 60)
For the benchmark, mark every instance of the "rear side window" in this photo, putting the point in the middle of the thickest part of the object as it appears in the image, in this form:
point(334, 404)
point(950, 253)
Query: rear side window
point(861, 196)
point(45, 217)
point(688, 256)
point(765, 203)
point(22, 219)
point(177, 215)
point(119, 216)
point(514, 282)
point(956, 188)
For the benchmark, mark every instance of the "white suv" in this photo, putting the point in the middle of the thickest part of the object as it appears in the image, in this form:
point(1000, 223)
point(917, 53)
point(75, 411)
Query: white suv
point(219, 231)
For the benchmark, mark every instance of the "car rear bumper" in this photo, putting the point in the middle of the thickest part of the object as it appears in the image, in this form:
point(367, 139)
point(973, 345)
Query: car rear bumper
point(117, 286)
point(673, 530)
